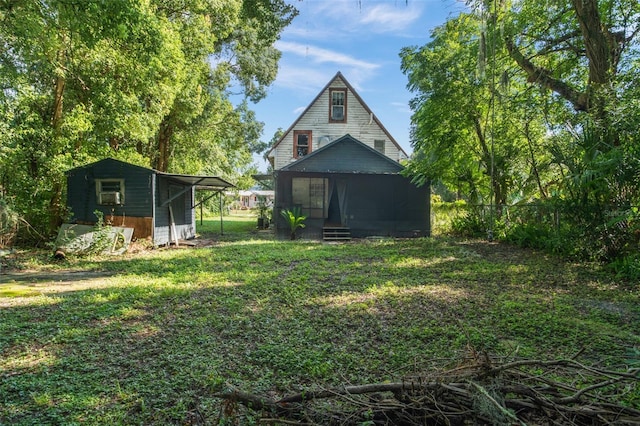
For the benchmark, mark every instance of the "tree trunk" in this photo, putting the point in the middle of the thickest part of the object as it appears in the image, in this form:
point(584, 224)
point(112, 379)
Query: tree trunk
point(488, 157)
point(534, 163)
point(58, 91)
point(596, 41)
point(55, 207)
point(56, 118)
point(164, 141)
point(602, 52)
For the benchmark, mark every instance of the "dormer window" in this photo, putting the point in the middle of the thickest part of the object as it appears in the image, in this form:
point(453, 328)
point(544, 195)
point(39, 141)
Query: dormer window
point(338, 105)
point(301, 143)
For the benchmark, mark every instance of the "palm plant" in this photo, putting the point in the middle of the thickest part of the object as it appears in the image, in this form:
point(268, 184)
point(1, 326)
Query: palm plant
point(295, 219)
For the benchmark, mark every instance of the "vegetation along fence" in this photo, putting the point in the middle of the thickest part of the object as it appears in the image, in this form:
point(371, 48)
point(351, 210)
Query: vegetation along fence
point(591, 231)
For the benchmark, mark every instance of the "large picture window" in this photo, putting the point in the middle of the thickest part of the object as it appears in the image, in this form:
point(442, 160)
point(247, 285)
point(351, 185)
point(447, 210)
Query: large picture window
point(311, 195)
point(338, 105)
point(301, 143)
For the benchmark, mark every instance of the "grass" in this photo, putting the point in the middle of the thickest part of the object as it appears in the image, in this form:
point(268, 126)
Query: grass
point(149, 337)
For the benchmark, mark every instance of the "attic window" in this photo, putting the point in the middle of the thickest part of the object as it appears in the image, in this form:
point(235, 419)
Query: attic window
point(301, 143)
point(338, 106)
point(378, 144)
point(110, 191)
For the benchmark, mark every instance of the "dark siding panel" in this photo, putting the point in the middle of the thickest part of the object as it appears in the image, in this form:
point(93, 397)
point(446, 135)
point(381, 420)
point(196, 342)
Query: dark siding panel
point(139, 199)
point(377, 205)
point(82, 190)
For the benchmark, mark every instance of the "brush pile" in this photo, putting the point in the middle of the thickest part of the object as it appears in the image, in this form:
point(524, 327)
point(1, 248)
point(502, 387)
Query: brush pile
point(480, 390)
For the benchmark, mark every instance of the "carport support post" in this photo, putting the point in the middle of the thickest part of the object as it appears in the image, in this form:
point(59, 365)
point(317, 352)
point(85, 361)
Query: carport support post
point(221, 229)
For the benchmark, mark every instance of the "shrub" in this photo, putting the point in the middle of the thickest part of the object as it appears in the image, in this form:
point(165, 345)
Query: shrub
point(295, 219)
point(9, 220)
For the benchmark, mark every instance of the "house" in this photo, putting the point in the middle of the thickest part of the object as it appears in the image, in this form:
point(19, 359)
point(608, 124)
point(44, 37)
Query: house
point(155, 204)
point(251, 198)
point(336, 111)
point(341, 166)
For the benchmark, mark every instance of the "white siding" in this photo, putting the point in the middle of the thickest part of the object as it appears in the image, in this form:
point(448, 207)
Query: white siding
point(359, 124)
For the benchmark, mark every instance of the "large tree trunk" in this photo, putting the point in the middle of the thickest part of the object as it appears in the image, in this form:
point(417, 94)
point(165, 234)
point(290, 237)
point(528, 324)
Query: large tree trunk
point(602, 52)
point(597, 39)
point(164, 142)
point(56, 118)
point(58, 91)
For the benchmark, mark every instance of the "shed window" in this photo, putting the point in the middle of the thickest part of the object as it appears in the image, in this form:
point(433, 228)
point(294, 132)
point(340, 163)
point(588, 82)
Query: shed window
point(378, 144)
point(301, 143)
point(311, 195)
point(110, 191)
point(338, 106)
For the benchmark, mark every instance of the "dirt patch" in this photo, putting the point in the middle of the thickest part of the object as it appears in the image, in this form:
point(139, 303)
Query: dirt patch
point(27, 277)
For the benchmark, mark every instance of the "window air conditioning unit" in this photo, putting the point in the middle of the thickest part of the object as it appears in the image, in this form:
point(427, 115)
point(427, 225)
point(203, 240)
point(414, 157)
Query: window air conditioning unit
point(323, 140)
point(111, 198)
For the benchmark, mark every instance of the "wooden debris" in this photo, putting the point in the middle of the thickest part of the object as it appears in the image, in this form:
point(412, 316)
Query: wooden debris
point(481, 390)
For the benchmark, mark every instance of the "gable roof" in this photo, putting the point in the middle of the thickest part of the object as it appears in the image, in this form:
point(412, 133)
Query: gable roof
point(362, 102)
point(345, 155)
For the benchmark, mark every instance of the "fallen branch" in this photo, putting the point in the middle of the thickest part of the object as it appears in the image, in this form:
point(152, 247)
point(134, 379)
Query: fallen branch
point(484, 391)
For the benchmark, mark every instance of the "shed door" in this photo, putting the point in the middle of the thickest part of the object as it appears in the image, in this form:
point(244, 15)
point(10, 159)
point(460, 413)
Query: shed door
point(178, 204)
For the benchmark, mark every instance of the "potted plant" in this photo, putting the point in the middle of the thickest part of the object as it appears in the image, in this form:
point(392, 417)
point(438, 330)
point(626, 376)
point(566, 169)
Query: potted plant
point(295, 220)
point(263, 212)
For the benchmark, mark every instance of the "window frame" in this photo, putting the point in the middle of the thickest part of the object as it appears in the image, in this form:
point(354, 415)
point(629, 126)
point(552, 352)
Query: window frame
point(297, 133)
point(100, 189)
point(382, 142)
point(311, 195)
point(344, 105)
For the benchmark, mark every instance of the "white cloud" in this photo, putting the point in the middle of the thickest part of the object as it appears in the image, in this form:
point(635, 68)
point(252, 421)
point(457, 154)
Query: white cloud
point(402, 107)
point(386, 18)
point(320, 56)
point(301, 78)
point(354, 17)
point(308, 68)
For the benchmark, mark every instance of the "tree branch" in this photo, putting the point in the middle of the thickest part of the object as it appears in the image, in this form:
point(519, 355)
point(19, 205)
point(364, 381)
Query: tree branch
point(543, 77)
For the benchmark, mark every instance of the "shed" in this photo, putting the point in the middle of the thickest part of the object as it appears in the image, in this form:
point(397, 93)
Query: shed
point(348, 189)
point(155, 204)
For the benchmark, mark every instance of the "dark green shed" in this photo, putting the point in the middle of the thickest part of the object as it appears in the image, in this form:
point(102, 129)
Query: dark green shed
point(156, 204)
point(349, 187)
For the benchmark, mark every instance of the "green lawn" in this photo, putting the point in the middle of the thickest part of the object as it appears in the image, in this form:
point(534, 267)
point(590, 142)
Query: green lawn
point(149, 337)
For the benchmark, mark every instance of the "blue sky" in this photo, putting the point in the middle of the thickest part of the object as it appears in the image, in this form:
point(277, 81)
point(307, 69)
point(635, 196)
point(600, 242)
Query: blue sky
point(360, 38)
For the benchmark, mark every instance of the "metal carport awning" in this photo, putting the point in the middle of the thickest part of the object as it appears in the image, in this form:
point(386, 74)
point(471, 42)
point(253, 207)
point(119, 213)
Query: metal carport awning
point(207, 183)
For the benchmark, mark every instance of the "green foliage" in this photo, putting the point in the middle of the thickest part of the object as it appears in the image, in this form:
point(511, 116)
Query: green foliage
point(148, 338)
point(102, 239)
point(9, 221)
point(443, 215)
point(264, 207)
point(506, 115)
point(146, 82)
point(295, 220)
point(579, 231)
